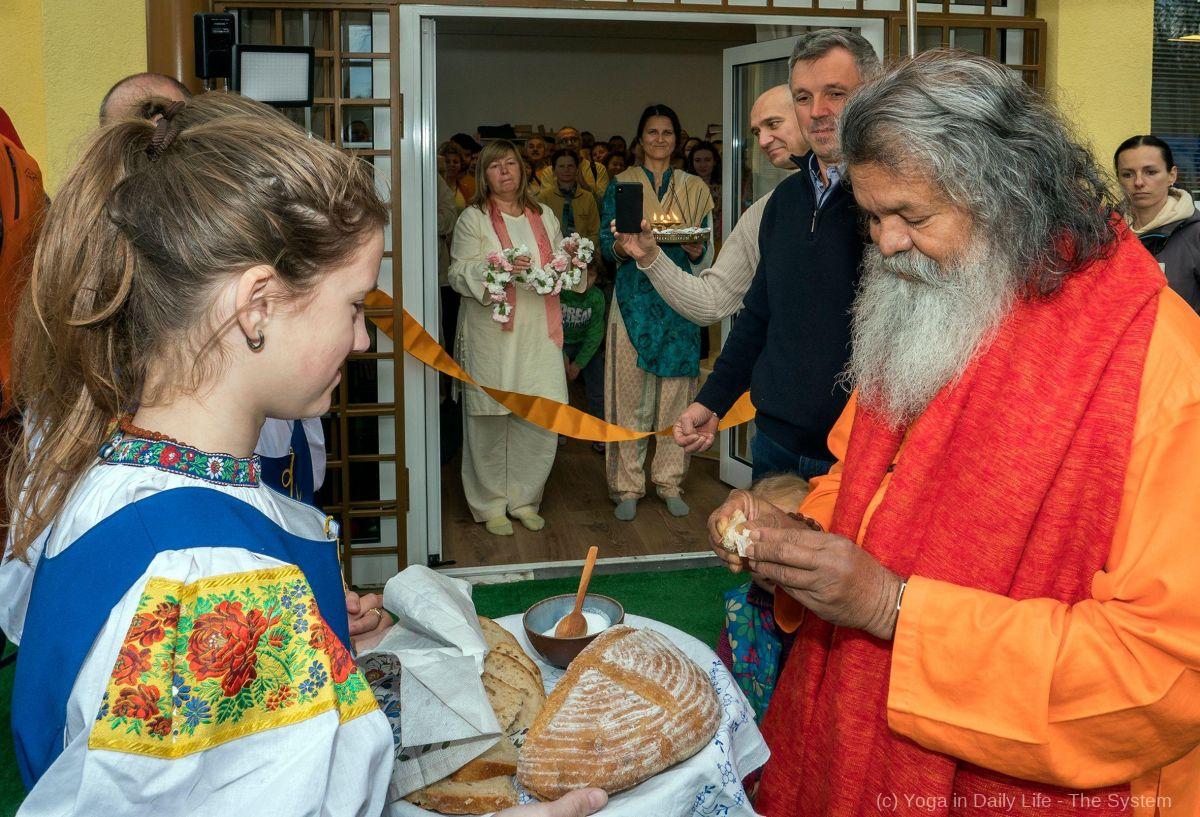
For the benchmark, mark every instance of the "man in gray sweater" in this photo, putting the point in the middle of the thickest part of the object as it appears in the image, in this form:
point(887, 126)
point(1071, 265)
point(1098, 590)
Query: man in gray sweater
point(717, 292)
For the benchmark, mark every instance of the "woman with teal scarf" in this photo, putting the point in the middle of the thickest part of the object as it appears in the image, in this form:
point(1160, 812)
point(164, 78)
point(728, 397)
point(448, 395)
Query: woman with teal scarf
point(652, 352)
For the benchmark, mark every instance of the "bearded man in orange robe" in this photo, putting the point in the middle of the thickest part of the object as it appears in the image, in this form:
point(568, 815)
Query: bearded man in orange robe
point(998, 614)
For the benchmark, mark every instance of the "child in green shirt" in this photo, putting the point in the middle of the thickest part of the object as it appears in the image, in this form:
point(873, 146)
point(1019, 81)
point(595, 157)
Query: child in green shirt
point(583, 342)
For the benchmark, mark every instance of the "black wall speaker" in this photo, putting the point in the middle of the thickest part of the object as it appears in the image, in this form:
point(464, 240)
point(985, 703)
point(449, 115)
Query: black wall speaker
point(215, 38)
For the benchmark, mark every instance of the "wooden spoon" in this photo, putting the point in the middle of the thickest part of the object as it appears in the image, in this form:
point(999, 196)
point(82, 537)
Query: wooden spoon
point(575, 625)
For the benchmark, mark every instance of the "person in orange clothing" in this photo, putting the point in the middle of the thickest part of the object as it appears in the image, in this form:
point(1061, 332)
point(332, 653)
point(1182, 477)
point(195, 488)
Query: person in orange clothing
point(22, 203)
point(997, 615)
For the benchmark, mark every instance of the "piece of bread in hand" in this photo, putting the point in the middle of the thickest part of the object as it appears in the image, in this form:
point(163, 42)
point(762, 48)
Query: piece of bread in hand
point(734, 534)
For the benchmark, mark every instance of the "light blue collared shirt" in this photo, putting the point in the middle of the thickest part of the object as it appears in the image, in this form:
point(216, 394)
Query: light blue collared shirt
point(820, 188)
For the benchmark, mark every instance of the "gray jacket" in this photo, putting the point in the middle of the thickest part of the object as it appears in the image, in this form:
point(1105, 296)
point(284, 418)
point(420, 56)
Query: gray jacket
point(1177, 248)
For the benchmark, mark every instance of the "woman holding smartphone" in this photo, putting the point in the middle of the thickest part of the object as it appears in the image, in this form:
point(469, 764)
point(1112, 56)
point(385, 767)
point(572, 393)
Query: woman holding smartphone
point(653, 352)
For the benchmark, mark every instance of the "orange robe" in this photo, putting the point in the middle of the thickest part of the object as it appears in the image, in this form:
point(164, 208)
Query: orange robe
point(1102, 692)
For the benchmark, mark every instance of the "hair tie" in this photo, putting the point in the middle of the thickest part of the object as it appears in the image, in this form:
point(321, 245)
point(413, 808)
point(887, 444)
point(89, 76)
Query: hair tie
point(165, 130)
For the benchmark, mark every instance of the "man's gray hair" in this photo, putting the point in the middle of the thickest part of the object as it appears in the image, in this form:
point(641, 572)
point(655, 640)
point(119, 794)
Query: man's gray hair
point(997, 149)
point(817, 44)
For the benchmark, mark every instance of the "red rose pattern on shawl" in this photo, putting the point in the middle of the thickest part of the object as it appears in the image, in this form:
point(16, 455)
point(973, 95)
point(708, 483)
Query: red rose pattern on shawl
point(224, 645)
point(139, 702)
point(147, 630)
point(206, 662)
point(131, 663)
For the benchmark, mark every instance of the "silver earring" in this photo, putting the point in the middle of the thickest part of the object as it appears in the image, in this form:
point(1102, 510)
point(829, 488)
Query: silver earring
point(257, 346)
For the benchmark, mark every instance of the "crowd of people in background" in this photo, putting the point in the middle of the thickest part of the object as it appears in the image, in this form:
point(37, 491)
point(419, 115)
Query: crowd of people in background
point(636, 355)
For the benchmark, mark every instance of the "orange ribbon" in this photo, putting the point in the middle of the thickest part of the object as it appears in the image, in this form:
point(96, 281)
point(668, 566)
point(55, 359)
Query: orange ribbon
point(541, 411)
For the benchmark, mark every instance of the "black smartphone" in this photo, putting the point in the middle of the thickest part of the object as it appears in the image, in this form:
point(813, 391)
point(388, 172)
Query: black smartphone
point(629, 207)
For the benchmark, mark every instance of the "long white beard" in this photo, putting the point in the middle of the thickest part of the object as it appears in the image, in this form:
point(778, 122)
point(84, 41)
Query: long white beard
point(912, 337)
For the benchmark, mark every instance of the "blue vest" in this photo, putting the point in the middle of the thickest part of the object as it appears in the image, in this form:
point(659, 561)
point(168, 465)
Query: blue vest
point(74, 593)
point(291, 474)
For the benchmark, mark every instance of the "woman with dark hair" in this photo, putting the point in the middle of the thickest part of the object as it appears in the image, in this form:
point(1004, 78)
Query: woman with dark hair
point(574, 206)
point(506, 460)
point(600, 152)
point(704, 161)
point(615, 163)
point(653, 352)
point(456, 174)
point(1163, 216)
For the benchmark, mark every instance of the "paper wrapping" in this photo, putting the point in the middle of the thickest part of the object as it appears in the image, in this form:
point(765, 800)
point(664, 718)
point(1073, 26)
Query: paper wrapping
point(425, 673)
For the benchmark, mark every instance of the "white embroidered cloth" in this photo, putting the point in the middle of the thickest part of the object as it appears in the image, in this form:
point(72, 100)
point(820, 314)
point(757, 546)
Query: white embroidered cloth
point(707, 784)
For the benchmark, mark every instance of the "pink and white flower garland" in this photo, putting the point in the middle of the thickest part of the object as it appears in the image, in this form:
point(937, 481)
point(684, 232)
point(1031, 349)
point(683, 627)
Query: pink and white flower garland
point(565, 270)
point(498, 273)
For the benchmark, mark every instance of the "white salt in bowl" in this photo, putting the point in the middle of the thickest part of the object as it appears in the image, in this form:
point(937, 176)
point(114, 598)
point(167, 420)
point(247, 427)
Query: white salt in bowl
point(546, 614)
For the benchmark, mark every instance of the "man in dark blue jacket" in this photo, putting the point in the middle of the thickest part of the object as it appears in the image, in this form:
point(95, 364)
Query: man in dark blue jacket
point(791, 340)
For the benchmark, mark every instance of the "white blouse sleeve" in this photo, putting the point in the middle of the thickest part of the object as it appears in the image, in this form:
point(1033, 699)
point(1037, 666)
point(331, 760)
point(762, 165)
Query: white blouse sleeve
point(215, 686)
point(468, 254)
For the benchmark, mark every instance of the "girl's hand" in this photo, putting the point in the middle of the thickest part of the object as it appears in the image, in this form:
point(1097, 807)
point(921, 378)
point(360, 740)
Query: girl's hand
point(368, 620)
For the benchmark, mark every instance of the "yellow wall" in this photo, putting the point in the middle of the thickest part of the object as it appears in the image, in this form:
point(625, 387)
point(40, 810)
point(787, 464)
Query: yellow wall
point(59, 57)
point(23, 93)
point(1099, 57)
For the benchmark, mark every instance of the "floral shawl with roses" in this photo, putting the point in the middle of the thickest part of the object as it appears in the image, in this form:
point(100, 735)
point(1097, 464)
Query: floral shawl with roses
point(222, 646)
point(203, 662)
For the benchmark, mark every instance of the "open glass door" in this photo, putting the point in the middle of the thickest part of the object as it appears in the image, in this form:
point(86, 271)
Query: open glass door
point(749, 71)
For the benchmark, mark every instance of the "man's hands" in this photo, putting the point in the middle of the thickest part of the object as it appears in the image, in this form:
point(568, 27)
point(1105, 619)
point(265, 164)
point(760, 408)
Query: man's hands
point(696, 429)
point(367, 627)
point(828, 574)
point(572, 371)
point(641, 247)
point(522, 264)
point(576, 804)
point(693, 250)
point(758, 513)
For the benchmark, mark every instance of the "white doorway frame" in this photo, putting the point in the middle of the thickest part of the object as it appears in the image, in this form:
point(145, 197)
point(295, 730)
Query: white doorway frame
point(418, 169)
point(733, 470)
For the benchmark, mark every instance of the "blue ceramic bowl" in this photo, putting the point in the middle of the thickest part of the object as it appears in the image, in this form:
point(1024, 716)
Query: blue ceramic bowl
point(546, 614)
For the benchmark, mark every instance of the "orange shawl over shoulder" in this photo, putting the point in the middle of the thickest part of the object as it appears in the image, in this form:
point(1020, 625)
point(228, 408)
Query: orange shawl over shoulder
point(1010, 482)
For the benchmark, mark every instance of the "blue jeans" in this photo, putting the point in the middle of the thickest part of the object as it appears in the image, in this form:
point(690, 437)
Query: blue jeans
point(769, 457)
point(592, 377)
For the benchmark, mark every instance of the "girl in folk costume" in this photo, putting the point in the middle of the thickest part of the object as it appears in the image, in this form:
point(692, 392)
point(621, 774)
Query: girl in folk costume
point(506, 460)
point(185, 633)
point(209, 270)
point(653, 352)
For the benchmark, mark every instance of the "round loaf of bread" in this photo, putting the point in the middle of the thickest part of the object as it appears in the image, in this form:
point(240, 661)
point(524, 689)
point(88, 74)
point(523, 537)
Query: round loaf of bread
point(630, 705)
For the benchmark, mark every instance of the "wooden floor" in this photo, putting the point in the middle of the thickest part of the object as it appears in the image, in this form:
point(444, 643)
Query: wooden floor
point(579, 514)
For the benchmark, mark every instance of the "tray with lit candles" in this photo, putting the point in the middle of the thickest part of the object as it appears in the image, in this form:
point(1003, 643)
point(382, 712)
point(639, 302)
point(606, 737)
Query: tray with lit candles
point(681, 235)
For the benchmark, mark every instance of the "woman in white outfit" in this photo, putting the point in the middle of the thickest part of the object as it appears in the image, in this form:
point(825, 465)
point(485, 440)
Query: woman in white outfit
point(506, 460)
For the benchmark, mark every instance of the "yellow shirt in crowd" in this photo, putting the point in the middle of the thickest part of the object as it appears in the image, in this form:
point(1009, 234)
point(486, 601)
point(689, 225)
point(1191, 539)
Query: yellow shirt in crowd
point(592, 176)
